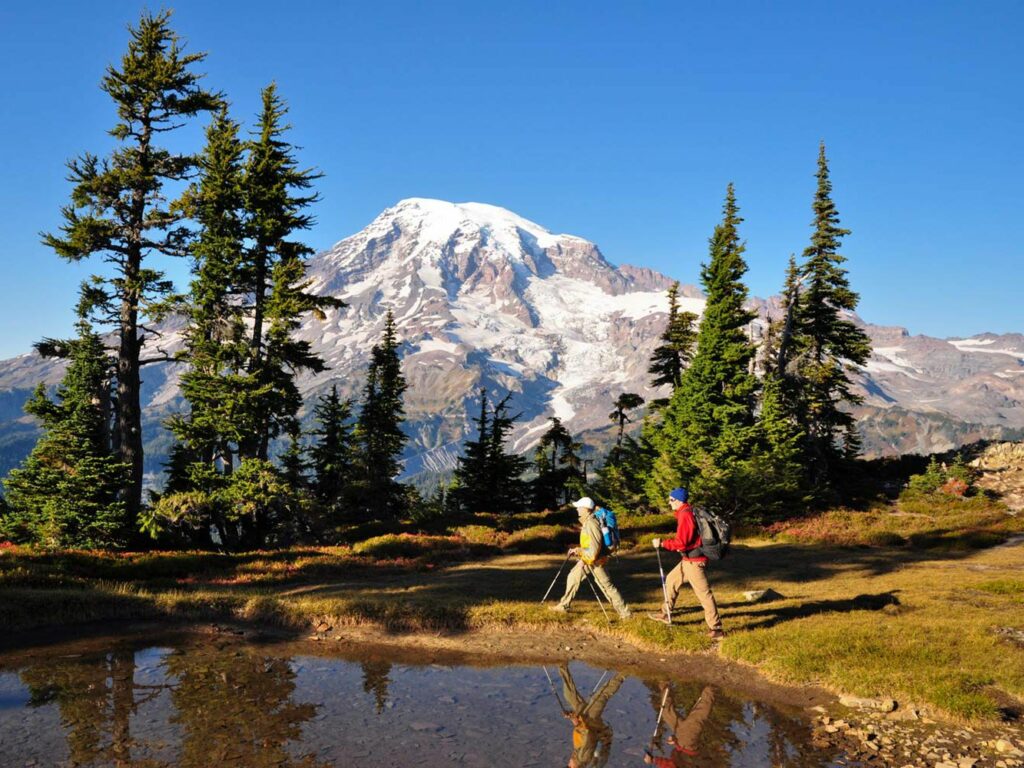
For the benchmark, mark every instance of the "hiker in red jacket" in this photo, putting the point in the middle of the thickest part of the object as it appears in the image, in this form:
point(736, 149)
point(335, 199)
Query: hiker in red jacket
point(690, 569)
point(685, 737)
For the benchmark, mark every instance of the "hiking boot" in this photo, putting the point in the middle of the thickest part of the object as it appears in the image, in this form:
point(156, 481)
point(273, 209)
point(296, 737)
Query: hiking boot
point(716, 634)
point(558, 608)
point(661, 616)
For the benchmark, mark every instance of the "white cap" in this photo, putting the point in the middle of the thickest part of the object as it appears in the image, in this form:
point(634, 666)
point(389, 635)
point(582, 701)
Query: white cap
point(586, 501)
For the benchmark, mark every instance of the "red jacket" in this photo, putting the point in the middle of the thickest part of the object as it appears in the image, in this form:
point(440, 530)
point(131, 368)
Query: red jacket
point(686, 537)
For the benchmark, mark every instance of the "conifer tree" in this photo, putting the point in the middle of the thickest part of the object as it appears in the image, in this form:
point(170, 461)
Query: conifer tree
point(828, 343)
point(215, 345)
point(489, 479)
point(68, 492)
point(556, 464)
point(627, 401)
point(509, 489)
point(379, 435)
point(473, 471)
point(274, 279)
point(331, 454)
point(709, 422)
point(119, 209)
point(670, 358)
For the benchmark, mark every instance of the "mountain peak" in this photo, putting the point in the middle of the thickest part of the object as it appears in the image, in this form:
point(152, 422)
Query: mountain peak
point(438, 221)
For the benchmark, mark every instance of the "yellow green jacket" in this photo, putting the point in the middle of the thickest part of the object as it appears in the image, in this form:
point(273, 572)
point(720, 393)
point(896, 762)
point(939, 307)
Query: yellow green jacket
point(591, 541)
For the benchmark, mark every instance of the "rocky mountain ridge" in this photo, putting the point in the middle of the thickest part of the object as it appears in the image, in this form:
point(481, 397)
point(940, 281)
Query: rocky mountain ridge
point(486, 299)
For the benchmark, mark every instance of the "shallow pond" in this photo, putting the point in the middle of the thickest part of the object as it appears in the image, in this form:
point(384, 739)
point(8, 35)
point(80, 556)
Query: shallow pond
point(199, 701)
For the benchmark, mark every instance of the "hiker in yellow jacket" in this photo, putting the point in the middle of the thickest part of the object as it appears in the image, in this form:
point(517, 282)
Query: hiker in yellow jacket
point(591, 561)
point(591, 736)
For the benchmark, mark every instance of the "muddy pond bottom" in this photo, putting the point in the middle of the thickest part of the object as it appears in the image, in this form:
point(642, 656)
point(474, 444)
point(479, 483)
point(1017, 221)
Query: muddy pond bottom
point(201, 701)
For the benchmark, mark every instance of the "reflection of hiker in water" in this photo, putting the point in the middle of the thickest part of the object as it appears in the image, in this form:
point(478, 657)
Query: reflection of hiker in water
point(684, 731)
point(591, 737)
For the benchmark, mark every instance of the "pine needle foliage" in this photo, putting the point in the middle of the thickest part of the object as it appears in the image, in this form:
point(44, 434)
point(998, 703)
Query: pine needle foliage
point(488, 478)
point(827, 343)
point(120, 212)
point(378, 434)
point(709, 422)
point(68, 492)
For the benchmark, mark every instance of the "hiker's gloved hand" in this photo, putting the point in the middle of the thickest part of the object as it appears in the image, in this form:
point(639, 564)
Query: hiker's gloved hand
point(574, 551)
point(656, 543)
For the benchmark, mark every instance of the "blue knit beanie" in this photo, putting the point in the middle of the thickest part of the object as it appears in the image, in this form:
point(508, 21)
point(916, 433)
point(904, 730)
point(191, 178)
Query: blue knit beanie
point(679, 494)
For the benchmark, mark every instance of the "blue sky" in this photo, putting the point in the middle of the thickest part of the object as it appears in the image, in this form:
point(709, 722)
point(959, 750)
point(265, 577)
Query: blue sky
point(618, 122)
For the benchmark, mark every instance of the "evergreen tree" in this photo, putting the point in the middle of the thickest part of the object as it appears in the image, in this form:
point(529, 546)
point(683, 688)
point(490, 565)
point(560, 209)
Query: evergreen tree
point(489, 479)
point(274, 279)
point(331, 454)
point(215, 346)
point(620, 480)
point(119, 211)
point(829, 344)
point(627, 401)
point(709, 423)
point(247, 298)
point(378, 434)
point(68, 491)
point(670, 358)
point(556, 463)
point(473, 471)
point(509, 490)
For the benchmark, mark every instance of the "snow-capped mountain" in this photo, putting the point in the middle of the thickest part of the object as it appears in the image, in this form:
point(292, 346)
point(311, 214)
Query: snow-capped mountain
point(485, 298)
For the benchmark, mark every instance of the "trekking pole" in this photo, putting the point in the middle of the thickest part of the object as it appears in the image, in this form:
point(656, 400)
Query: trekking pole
point(554, 690)
point(556, 578)
point(590, 581)
point(661, 711)
point(593, 697)
point(664, 589)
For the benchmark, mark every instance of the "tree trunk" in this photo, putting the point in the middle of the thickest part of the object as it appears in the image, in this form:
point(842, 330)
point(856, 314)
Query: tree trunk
point(129, 412)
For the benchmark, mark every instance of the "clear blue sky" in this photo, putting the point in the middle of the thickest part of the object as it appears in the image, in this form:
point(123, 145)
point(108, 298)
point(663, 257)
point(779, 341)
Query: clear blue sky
point(619, 122)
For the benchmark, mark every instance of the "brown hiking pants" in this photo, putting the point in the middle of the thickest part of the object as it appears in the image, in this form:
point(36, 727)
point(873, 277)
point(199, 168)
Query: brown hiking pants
point(693, 574)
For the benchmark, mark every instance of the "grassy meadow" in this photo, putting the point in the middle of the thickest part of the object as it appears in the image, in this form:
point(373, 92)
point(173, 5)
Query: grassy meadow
point(921, 600)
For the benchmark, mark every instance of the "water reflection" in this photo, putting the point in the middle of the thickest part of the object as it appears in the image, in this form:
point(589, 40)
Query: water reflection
point(192, 703)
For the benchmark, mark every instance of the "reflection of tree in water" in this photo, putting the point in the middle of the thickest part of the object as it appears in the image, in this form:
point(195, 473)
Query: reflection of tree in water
point(235, 709)
point(376, 680)
point(96, 697)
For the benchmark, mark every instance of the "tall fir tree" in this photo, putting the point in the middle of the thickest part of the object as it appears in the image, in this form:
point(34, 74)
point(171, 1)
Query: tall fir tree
point(829, 345)
point(708, 424)
point(68, 492)
point(215, 345)
point(274, 279)
point(670, 358)
point(119, 209)
point(379, 437)
point(248, 297)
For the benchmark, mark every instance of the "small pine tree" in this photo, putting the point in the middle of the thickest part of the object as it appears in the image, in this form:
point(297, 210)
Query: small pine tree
point(625, 402)
point(68, 493)
point(331, 454)
point(489, 479)
point(556, 464)
point(670, 357)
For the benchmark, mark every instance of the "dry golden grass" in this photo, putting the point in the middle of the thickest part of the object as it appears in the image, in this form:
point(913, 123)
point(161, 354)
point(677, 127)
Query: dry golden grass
point(919, 623)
